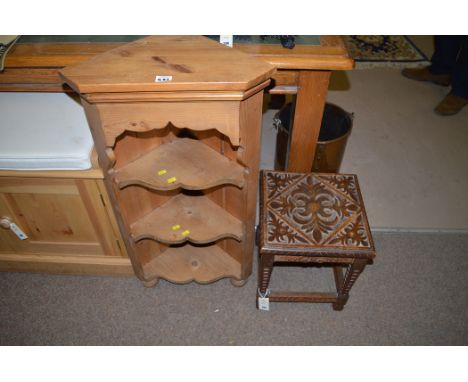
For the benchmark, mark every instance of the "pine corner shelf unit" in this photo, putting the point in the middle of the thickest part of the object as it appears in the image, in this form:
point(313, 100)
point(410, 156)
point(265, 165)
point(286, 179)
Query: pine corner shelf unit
point(180, 157)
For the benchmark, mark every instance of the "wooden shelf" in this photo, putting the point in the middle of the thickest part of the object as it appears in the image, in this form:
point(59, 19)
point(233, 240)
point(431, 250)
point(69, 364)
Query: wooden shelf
point(189, 263)
point(201, 221)
point(194, 166)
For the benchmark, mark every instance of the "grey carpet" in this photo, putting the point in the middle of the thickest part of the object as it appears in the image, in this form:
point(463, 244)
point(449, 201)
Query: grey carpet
point(414, 294)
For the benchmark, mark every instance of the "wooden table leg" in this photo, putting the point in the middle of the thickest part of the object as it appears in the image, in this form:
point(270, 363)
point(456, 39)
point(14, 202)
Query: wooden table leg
point(265, 267)
point(311, 94)
point(352, 273)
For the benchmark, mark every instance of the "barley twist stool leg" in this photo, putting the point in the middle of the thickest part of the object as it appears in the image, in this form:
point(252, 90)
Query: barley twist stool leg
point(265, 267)
point(353, 272)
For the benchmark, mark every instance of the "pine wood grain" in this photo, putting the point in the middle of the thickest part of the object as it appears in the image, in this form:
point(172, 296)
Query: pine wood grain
point(146, 116)
point(43, 59)
point(134, 66)
point(189, 263)
point(313, 88)
point(191, 164)
point(176, 96)
point(199, 220)
point(137, 127)
point(59, 264)
point(64, 217)
point(57, 55)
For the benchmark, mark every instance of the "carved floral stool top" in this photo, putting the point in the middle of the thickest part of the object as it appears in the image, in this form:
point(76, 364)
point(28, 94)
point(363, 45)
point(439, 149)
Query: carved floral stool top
point(312, 218)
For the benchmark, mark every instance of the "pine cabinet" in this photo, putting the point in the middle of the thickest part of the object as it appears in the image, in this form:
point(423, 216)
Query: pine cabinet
point(67, 224)
point(176, 123)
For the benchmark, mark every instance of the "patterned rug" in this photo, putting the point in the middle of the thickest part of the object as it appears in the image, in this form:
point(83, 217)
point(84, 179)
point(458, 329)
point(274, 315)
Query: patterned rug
point(384, 51)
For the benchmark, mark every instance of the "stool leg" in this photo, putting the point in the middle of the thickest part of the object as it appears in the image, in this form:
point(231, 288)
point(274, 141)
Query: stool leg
point(265, 267)
point(354, 270)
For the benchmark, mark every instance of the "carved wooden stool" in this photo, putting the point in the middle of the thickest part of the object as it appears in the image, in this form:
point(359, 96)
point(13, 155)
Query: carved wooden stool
point(312, 218)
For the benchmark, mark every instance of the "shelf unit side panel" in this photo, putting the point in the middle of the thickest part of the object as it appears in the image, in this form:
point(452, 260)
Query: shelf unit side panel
point(136, 202)
point(132, 145)
point(106, 162)
point(248, 154)
point(217, 142)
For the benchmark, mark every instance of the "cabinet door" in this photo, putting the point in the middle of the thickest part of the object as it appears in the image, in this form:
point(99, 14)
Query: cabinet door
point(59, 217)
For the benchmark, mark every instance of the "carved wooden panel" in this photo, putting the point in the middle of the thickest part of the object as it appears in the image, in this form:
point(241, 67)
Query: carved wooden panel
point(319, 213)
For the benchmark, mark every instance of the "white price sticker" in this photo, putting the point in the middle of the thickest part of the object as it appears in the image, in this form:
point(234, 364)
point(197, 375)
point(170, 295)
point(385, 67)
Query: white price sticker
point(226, 40)
point(264, 303)
point(18, 231)
point(163, 79)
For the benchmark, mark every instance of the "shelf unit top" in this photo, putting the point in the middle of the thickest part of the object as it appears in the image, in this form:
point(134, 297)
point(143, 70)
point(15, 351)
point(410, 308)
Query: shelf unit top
point(195, 63)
